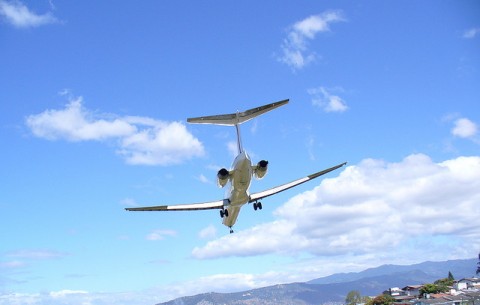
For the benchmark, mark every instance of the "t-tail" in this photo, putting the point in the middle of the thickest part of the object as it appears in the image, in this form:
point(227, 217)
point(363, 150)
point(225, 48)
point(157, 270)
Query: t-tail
point(235, 119)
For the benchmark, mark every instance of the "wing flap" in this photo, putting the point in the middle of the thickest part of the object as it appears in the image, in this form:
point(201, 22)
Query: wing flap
point(182, 207)
point(260, 195)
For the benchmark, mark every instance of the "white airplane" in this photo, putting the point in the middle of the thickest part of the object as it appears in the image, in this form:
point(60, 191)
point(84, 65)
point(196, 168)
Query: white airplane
point(240, 176)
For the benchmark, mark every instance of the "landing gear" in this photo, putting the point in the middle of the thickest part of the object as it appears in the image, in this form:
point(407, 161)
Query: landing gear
point(257, 205)
point(231, 230)
point(223, 213)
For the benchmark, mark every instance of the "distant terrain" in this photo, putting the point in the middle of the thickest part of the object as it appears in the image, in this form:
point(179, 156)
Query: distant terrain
point(334, 288)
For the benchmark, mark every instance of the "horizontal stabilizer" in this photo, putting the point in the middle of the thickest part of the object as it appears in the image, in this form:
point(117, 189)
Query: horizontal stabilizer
point(236, 118)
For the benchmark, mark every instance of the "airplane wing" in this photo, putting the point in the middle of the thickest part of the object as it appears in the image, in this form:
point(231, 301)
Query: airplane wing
point(182, 207)
point(260, 195)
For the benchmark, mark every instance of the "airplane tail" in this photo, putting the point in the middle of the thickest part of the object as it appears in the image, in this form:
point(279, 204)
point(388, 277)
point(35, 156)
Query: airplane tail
point(235, 119)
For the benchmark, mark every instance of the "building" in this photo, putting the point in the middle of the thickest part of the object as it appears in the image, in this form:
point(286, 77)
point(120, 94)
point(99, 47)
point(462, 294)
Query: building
point(467, 283)
point(412, 290)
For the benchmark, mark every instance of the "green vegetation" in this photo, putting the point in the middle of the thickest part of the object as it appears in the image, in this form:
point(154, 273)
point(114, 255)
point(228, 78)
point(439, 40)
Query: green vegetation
point(441, 285)
point(354, 297)
point(383, 299)
point(478, 264)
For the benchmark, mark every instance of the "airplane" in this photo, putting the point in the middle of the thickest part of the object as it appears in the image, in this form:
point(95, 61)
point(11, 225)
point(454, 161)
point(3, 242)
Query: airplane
point(240, 175)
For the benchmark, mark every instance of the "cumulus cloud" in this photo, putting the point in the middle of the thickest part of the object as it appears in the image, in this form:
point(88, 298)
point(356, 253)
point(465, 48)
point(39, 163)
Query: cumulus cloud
point(373, 207)
point(464, 128)
point(295, 50)
point(327, 100)
point(19, 15)
point(471, 33)
point(140, 140)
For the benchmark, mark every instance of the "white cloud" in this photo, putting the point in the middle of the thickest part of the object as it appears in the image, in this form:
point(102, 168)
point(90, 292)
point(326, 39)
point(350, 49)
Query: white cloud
point(160, 234)
point(66, 293)
point(471, 33)
point(141, 140)
point(71, 297)
point(208, 232)
point(464, 128)
point(17, 14)
point(375, 207)
point(75, 123)
point(295, 46)
point(325, 99)
point(160, 143)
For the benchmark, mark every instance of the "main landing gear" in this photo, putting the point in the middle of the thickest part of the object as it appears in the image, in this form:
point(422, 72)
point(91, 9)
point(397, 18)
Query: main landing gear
point(257, 205)
point(223, 213)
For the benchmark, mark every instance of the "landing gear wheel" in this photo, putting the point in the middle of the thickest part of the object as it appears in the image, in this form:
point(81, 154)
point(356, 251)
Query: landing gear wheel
point(257, 205)
point(231, 230)
point(223, 213)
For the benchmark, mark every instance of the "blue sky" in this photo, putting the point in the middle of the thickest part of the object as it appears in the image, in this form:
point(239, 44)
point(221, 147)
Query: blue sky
point(93, 105)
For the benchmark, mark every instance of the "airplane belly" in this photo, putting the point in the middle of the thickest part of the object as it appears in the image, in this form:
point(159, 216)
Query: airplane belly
point(231, 219)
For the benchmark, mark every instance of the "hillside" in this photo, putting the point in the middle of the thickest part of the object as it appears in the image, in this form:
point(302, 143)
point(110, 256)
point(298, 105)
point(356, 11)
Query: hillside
point(334, 288)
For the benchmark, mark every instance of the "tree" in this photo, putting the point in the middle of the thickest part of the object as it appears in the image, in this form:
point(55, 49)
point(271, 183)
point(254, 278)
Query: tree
point(353, 297)
point(450, 276)
point(433, 288)
point(478, 264)
point(383, 299)
point(445, 283)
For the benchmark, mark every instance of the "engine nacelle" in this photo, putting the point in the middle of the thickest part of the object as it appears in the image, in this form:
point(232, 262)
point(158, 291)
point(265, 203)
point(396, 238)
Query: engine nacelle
point(222, 177)
point(261, 169)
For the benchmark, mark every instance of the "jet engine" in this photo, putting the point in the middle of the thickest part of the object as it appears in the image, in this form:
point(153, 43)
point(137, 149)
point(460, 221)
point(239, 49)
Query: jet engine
point(261, 169)
point(222, 177)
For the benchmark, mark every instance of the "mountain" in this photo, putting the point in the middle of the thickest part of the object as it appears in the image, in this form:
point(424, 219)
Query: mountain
point(334, 288)
point(436, 270)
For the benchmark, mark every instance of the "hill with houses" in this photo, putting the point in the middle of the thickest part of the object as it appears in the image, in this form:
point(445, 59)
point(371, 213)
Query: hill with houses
point(402, 283)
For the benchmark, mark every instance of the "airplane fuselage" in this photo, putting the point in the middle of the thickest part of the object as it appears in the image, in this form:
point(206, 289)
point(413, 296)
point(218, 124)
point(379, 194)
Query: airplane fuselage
point(238, 193)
